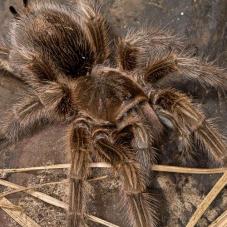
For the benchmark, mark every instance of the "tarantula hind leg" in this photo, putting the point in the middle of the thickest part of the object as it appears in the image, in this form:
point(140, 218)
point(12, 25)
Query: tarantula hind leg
point(80, 189)
point(176, 111)
point(139, 206)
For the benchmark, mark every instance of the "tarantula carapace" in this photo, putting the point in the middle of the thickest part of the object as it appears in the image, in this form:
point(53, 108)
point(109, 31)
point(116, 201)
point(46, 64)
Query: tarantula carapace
point(115, 107)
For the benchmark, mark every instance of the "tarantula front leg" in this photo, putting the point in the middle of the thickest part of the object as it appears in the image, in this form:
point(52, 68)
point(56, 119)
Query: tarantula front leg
point(79, 145)
point(25, 117)
point(166, 62)
point(131, 50)
point(141, 206)
point(134, 49)
point(51, 104)
point(177, 112)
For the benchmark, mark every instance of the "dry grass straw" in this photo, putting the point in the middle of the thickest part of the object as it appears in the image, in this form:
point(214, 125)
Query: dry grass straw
point(38, 195)
point(21, 170)
point(220, 222)
point(208, 200)
point(10, 209)
point(158, 168)
point(50, 200)
point(50, 167)
point(101, 221)
point(17, 214)
point(23, 189)
point(176, 169)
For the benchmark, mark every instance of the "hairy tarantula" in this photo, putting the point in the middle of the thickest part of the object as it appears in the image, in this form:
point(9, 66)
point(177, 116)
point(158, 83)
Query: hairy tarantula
point(115, 107)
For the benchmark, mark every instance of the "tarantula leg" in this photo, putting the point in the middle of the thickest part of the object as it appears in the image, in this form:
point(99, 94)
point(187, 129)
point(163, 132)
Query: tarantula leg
point(4, 50)
point(57, 99)
point(79, 137)
point(204, 72)
point(131, 50)
point(50, 104)
point(4, 65)
point(191, 68)
point(162, 39)
point(134, 49)
point(190, 124)
point(97, 30)
point(141, 206)
point(24, 118)
point(156, 69)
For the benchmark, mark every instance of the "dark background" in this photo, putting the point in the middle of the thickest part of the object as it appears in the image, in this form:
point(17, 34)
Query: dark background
point(204, 25)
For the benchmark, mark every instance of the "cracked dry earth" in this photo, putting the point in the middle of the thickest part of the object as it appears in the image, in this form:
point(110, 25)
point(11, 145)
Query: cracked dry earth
point(204, 24)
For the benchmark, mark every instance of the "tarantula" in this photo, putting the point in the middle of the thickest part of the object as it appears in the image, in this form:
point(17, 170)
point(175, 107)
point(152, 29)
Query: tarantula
point(113, 102)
